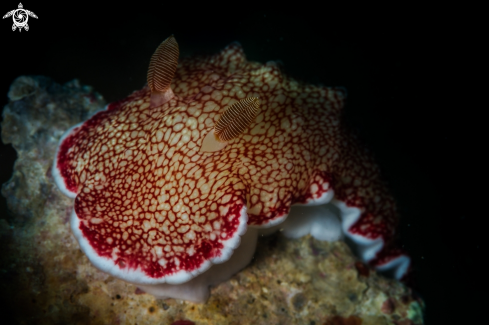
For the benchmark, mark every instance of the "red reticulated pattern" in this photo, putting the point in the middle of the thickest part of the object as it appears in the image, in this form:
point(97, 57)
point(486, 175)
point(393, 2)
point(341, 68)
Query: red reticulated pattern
point(148, 199)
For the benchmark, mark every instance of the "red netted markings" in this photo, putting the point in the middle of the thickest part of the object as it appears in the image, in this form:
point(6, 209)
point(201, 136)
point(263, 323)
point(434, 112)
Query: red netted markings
point(147, 199)
point(358, 184)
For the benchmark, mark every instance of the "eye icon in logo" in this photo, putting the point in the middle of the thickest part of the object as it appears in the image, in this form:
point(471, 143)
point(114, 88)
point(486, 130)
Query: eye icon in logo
point(20, 17)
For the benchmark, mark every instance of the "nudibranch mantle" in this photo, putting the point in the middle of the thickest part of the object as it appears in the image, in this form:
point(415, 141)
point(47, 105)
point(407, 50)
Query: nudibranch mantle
point(152, 209)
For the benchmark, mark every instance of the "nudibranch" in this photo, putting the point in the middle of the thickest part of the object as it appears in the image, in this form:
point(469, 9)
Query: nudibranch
point(173, 184)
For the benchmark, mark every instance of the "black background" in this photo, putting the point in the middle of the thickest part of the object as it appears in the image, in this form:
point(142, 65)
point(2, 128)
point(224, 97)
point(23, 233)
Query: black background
point(407, 100)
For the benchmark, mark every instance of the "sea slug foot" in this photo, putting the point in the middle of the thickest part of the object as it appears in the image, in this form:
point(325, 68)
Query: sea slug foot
point(321, 221)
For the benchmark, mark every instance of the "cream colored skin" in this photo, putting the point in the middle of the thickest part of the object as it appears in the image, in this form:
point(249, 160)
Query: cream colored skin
point(211, 143)
point(159, 99)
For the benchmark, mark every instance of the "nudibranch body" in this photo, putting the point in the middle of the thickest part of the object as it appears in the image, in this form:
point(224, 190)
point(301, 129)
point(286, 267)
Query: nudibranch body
point(156, 207)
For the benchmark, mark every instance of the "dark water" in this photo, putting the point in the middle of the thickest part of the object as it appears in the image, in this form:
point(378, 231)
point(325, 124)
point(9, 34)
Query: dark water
point(389, 64)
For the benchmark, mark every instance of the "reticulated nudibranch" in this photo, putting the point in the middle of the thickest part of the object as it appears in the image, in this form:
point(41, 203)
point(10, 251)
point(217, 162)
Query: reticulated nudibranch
point(173, 184)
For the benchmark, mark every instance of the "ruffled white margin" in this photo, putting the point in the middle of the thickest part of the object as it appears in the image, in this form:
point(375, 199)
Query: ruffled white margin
point(329, 219)
point(137, 276)
point(58, 179)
